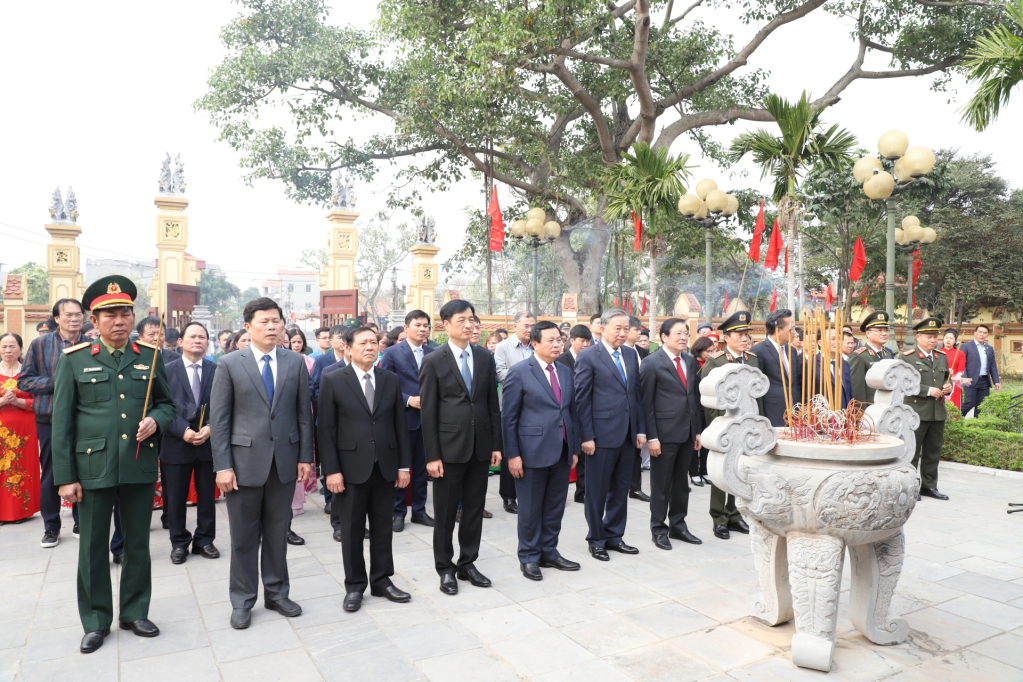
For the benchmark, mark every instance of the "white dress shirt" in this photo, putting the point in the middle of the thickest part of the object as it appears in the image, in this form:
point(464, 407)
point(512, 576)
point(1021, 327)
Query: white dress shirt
point(983, 357)
point(261, 360)
point(546, 374)
point(672, 356)
point(458, 356)
point(621, 356)
point(193, 368)
point(417, 352)
point(784, 359)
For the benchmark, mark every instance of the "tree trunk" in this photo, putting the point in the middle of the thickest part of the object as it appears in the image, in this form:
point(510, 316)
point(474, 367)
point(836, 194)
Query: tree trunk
point(581, 268)
point(653, 290)
point(790, 277)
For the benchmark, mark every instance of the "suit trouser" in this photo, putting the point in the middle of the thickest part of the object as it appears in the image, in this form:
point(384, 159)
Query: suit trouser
point(974, 395)
point(608, 474)
point(175, 498)
point(698, 463)
point(465, 481)
point(95, 598)
point(507, 487)
point(929, 437)
point(636, 480)
point(722, 508)
point(259, 517)
point(417, 484)
point(375, 499)
point(542, 493)
point(669, 488)
point(580, 474)
point(49, 500)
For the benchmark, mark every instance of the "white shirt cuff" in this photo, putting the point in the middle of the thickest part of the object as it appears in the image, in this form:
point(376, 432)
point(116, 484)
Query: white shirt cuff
point(406, 469)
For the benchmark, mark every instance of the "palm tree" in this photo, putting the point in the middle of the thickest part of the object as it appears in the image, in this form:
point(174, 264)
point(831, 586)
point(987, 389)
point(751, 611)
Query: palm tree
point(785, 158)
point(648, 182)
point(996, 61)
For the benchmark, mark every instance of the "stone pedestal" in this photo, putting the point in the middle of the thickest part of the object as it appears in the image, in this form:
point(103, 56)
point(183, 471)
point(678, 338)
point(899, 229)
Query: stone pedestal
point(423, 279)
point(201, 314)
point(342, 245)
point(395, 318)
point(173, 265)
point(64, 261)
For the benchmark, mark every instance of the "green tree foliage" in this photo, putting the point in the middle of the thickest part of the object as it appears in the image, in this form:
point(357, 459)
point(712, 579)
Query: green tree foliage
point(142, 299)
point(217, 293)
point(38, 282)
point(996, 64)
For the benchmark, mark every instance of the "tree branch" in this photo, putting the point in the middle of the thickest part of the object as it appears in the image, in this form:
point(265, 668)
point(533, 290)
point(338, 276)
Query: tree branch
point(637, 72)
point(680, 17)
point(708, 118)
point(592, 59)
point(965, 3)
point(590, 104)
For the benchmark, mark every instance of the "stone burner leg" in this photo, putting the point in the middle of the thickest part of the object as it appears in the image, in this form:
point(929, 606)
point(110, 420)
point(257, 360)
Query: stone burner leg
point(875, 572)
point(773, 606)
point(815, 575)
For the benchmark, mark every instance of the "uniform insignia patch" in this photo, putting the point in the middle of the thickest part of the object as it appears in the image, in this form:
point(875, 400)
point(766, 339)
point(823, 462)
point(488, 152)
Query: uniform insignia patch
point(873, 354)
point(92, 369)
point(147, 345)
point(78, 346)
point(141, 366)
point(908, 352)
point(749, 352)
point(95, 349)
point(717, 354)
point(920, 354)
point(861, 349)
point(728, 357)
point(135, 348)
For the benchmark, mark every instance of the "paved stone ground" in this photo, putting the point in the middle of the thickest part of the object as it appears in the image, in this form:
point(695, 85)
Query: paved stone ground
point(672, 616)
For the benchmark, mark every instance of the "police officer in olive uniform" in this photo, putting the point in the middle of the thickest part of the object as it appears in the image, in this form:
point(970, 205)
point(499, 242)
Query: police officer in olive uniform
point(875, 326)
point(737, 342)
point(929, 403)
point(104, 450)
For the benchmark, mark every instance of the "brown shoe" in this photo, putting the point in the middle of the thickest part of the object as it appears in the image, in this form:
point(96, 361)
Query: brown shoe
point(487, 515)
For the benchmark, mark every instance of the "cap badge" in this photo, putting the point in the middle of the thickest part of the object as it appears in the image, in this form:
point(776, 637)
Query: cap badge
point(113, 288)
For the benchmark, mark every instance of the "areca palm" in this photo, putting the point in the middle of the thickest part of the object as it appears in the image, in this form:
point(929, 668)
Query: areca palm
point(996, 62)
point(648, 182)
point(802, 144)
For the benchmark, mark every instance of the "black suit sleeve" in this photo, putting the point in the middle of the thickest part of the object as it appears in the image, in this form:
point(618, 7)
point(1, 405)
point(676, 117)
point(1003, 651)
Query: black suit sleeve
point(326, 443)
point(429, 397)
point(494, 407)
point(179, 424)
point(648, 389)
point(304, 409)
point(699, 418)
point(401, 426)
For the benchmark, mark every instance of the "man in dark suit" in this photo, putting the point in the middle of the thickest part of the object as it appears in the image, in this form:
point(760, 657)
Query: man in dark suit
point(404, 359)
point(149, 332)
point(781, 364)
point(636, 481)
point(579, 338)
point(462, 440)
point(670, 381)
point(364, 444)
point(332, 357)
point(541, 443)
point(831, 342)
point(981, 368)
point(186, 450)
point(612, 428)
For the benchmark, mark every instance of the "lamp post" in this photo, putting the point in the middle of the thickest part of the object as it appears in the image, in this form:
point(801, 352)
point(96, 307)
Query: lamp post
point(909, 238)
point(909, 167)
point(709, 207)
point(536, 233)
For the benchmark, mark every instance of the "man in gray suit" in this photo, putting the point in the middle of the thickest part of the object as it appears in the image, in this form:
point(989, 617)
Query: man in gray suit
point(262, 436)
point(512, 350)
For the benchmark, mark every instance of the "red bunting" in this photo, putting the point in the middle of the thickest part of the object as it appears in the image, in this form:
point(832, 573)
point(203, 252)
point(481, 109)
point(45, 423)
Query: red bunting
point(642, 310)
point(773, 248)
point(630, 306)
point(830, 298)
point(637, 224)
point(917, 264)
point(616, 301)
point(496, 223)
point(774, 301)
point(859, 260)
point(754, 247)
point(863, 301)
point(725, 311)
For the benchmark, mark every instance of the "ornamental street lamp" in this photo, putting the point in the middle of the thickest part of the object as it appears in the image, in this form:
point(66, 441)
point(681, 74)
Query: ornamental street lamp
point(709, 207)
point(909, 167)
point(911, 237)
point(536, 233)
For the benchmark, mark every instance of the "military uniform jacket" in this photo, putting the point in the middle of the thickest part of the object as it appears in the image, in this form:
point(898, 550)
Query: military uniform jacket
point(933, 374)
point(860, 362)
point(97, 407)
point(723, 357)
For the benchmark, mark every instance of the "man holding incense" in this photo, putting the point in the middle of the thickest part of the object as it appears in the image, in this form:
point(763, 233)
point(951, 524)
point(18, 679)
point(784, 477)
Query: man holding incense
point(110, 406)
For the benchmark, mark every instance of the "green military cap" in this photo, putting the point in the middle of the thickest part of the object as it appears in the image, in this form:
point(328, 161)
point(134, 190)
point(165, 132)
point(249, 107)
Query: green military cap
point(878, 318)
point(738, 322)
point(929, 325)
point(108, 292)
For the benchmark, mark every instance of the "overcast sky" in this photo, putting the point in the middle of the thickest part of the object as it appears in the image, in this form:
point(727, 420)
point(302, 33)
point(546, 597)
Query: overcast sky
point(95, 95)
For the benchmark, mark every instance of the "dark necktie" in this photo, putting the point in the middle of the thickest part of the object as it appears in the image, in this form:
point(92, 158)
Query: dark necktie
point(196, 385)
point(117, 354)
point(557, 395)
point(681, 374)
point(370, 393)
point(466, 374)
point(618, 364)
point(268, 379)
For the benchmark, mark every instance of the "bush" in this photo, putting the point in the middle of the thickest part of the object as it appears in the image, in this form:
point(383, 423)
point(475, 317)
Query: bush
point(987, 441)
point(997, 405)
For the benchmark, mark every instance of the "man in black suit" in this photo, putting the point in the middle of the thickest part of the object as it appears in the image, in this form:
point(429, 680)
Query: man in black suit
point(781, 364)
point(364, 446)
point(674, 421)
point(186, 449)
point(462, 440)
point(579, 338)
point(636, 482)
point(149, 332)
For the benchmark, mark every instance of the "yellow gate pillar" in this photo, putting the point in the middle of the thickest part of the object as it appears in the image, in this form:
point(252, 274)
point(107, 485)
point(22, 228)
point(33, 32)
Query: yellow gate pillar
point(63, 256)
point(173, 265)
point(423, 277)
point(342, 239)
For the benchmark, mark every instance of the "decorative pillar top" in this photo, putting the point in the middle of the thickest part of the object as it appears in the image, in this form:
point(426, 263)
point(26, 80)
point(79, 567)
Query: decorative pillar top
point(172, 184)
point(426, 230)
point(344, 193)
point(61, 212)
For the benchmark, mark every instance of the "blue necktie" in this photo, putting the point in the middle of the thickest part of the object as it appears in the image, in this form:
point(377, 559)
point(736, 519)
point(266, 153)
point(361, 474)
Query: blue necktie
point(268, 379)
point(618, 364)
point(466, 375)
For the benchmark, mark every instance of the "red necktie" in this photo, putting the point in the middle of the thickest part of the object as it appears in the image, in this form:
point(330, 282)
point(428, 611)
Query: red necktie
point(681, 374)
point(557, 394)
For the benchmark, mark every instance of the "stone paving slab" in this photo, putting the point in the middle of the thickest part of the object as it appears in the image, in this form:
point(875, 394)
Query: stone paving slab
point(675, 616)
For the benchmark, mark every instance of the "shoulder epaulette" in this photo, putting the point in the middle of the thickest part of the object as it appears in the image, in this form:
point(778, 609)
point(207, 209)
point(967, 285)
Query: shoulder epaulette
point(717, 354)
point(79, 346)
point(909, 351)
point(147, 345)
point(940, 350)
point(861, 349)
point(749, 352)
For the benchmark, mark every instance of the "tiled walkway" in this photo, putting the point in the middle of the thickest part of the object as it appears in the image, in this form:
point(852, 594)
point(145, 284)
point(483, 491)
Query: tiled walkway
point(660, 616)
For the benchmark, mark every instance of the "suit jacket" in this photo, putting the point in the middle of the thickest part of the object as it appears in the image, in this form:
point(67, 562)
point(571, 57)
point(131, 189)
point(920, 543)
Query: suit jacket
point(567, 360)
point(673, 410)
point(455, 424)
point(321, 363)
point(608, 409)
point(506, 355)
point(402, 361)
point(247, 431)
point(169, 356)
point(847, 388)
point(174, 449)
point(774, 400)
point(352, 434)
point(531, 416)
point(644, 353)
point(972, 354)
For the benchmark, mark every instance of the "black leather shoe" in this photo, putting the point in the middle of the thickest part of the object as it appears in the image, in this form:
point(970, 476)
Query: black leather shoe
point(285, 607)
point(599, 553)
point(337, 535)
point(392, 593)
point(179, 555)
point(639, 495)
point(241, 618)
point(696, 481)
point(294, 539)
point(561, 563)
point(473, 575)
point(118, 558)
point(93, 640)
point(686, 536)
point(142, 627)
point(326, 508)
point(352, 602)
point(398, 524)
point(531, 570)
point(661, 542)
point(580, 496)
point(424, 520)
point(511, 506)
point(739, 527)
point(933, 492)
point(721, 531)
point(448, 584)
point(706, 480)
point(486, 514)
point(622, 548)
point(208, 551)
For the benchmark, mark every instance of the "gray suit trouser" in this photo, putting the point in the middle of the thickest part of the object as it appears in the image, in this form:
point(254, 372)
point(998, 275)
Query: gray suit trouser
point(259, 516)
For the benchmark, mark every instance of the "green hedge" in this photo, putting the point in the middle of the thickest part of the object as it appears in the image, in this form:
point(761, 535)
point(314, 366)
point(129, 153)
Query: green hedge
point(988, 441)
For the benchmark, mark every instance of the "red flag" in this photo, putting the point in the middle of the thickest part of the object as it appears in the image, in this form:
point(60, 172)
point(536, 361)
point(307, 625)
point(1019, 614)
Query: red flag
point(496, 223)
point(917, 264)
point(774, 301)
point(754, 247)
point(630, 306)
point(725, 311)
point(859, 260)
point(786, 260)
point(831, 297)
point(773, 248)
point(616, 301)
point(863, 301)
point(637, 224)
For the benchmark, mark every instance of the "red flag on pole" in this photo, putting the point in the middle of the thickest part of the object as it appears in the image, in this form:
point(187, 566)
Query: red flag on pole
point(725, 311)
point(773, 248)
point(859, 260)
point(754, 247)
point(630, 306)
point(637, 224)
point(830, 298)
point(774, 301)
point(917, 264)
point(863, 301)
point(642, 310)
point(496, 223)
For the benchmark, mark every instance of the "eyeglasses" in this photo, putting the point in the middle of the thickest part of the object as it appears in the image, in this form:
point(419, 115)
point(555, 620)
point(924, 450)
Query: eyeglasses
point(72, 316)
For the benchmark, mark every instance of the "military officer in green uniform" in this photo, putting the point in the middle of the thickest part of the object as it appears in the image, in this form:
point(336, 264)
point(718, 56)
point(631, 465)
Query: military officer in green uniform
point(737, 342)
point(929, 403)
point(104, 450)
point(875, 326)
